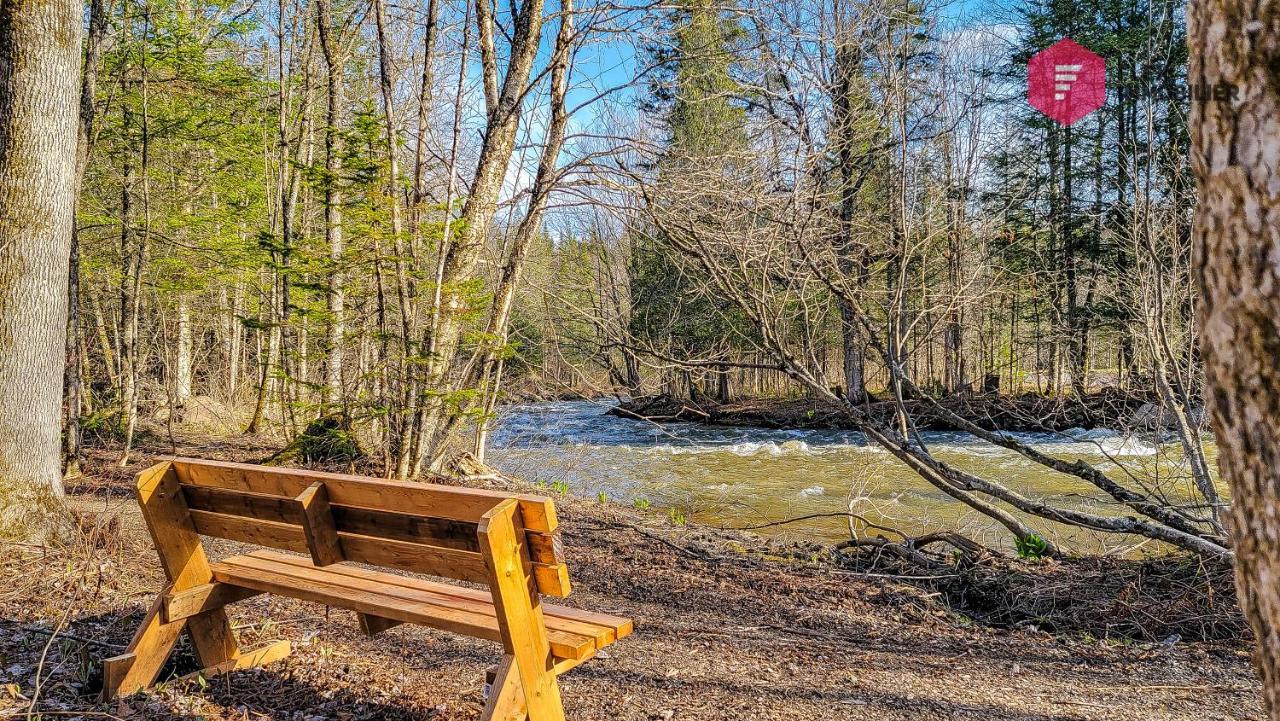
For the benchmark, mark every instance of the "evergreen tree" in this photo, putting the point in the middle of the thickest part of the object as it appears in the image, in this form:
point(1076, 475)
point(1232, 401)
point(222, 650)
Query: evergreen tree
point(697, 100)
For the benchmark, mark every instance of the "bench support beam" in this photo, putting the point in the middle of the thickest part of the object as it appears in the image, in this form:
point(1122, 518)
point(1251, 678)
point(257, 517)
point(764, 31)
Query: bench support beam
point(260, 656)
point(318, 527)
point(186, 567)
point(506, 697)
point(371, 625)
point(202, 599)
point(520, 620)
point(140, 664)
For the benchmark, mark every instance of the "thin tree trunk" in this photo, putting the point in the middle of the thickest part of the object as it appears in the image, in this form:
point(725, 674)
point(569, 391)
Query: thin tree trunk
point(104, 340)
point(182, 365)
point(72, 383)
point(543, 182)
point(333, 145)
point(428, 405)
point(397, 435)
point(39, 84)
point(1237, 239)
point(236, 331)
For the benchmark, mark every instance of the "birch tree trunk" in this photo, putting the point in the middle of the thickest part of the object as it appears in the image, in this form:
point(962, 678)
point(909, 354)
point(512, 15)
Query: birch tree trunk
point(184, 350)
point(464, 254)
point(333, 146)
point(39, 84)
point(1236, 157)
point(497, 331)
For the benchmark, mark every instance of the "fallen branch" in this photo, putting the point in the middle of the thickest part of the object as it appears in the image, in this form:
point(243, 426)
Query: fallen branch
point(73, 637)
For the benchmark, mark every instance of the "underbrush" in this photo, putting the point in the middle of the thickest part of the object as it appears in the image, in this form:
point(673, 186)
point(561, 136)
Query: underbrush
point(1166, 599)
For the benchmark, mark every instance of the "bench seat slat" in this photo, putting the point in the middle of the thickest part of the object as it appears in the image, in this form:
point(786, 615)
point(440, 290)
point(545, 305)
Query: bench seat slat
point(400, 603)
point(605, 628)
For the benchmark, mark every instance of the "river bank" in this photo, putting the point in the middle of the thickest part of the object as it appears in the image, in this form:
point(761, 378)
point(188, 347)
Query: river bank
point(1027, 413)
point(728, 626)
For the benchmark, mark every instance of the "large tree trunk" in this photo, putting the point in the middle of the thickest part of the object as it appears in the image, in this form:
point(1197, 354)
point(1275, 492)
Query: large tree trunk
point(1236, 156)
point(39, 82)
point(849, 144)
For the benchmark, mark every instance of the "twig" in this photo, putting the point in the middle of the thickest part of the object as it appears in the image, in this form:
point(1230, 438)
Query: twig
point(73, 637)
point(103, 714)
point(797, 519)
point(692, 554)
point(44, 653)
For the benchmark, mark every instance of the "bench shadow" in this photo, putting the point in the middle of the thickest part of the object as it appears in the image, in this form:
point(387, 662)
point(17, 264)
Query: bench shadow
point(73, 674)
point(268, 694)
point(287, 693)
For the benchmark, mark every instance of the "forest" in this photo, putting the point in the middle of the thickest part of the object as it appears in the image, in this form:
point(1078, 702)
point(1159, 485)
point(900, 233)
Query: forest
point(812, 276)
point(290, 215)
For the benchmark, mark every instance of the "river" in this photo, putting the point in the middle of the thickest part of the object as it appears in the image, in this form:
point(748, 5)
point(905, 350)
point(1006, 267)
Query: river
point(738, 477)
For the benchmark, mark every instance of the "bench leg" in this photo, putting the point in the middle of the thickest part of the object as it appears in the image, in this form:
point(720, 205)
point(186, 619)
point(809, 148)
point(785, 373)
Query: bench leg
point(165, 511)
point(520, 620)
point(371, 625)
point(506, 698)
point(138, 666)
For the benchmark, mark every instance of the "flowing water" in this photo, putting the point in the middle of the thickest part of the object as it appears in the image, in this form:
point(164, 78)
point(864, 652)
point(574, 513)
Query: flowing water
point(738, 477)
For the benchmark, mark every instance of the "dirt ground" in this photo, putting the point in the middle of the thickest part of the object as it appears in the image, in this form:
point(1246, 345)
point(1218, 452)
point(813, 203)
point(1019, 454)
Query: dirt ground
point(722, 632)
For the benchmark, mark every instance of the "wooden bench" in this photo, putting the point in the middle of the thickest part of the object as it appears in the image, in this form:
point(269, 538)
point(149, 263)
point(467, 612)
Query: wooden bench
point(508, 542)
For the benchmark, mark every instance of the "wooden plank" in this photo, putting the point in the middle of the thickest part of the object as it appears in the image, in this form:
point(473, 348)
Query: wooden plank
point(506, 697)
point(424, 499)
point(552, 580)
point(284, 536)
point(432, 560)
point(366, 521)
point(115, 671)
point(183, 558)
point(524, 634)
point(202, 599)
point(260, 506)
point(138, 666)
point(545, 548)
point(568, 632)
point(317, 526)
point(371, 625)
point(405, 527)
point(605, 629)
point(270, 653)
point(564, 665)
point(318, 585)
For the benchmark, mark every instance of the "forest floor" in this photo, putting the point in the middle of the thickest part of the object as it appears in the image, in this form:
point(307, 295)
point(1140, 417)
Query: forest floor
point(1107, 408)
point(724, 630)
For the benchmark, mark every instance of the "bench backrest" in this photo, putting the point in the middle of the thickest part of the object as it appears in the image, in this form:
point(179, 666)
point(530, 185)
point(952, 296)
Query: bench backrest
point(420, 527)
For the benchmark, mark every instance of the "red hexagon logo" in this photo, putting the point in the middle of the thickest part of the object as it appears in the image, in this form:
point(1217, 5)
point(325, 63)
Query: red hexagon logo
point(1066, 81)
